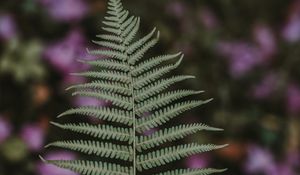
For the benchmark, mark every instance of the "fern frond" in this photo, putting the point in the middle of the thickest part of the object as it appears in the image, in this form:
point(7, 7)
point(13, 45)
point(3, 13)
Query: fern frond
point(140, 53)
point(102, 113)
point(152, 75)
point(163, 115)
point(134, 86)
point(171, 134)
point(99, 131)
point(128, 21)
point(110, 45)
point(167, 155)
point(110, 38)
point(112, 30)
point(133, 47)
point(117, 100)
point(90, 167)
point(163, 99)
point(108, 54)
point(122, 17)
point(157, 87)
point(152, 62)
point(105, 86)
point(107, 150)
point(107, 64)
point(199, 171)
point(105, 75)
point(130, 32)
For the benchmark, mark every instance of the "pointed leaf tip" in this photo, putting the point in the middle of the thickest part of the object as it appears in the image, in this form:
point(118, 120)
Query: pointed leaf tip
point(42, 159)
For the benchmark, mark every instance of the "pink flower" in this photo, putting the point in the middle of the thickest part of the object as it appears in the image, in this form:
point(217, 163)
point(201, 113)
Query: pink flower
point(33, 136)
point(7, 27)
point(291, 30)
point(47, 169)
point(88, 101)
point(243, 57)
point(66, 10)
point(197, 161)
point(293, 99)
point(176, 8)
point(265, 87)
point(150, 131)
point(208, 18)
point(63, 56)
point(259, 160)
point(265, 39)
point(5, 129)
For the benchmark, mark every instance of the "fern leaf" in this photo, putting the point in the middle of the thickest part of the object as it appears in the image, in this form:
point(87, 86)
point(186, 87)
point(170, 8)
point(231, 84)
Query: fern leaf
point(149, 64)
point(111, 24)
point(151, 76)
point(171, 134)
point(99, 131)
point(110, 45)
point(110, 38)
point(167, 155)
point(117, 100)
point(157, 87)
point(105, 86)
point(131, 31)
point(140, 53)
point(162, 116)
point(90, 167)
point(128, 21)
point(122, 17)
point(108, 53)
point(103, 113)
point(112, 30)
point(133, 47)
point(107, 64)
point(108, 150)
point(206, 171)
point(105, 75)
point(163, 99)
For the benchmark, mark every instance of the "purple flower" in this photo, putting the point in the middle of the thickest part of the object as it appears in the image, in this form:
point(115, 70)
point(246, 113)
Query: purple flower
point(66, 10)
point(176, 8)
point(33, 136)
point(265, 39)
point(150, 131)
point(63, 56)
point(259, 160)
point(197, 161)
point(291, 30)
point(265, 87)
point(208, 18)
point(243, 57)
point(7, 27)
point(5, 129)
point(88, 101)
point(47, 169)
point(293, 99)
point(280, 169)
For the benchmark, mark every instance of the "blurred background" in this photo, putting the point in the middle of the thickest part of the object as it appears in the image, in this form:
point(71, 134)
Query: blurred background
point(245, 54)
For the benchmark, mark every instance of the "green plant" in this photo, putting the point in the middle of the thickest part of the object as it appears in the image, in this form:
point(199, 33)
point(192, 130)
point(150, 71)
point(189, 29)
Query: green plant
point(139, 102)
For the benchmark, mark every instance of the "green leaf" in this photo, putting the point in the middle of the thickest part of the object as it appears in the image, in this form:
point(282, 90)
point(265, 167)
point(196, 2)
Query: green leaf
point(101, 149)
point(103, 113)
point(171, 134)
point(99, 131)
point(170, 154)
